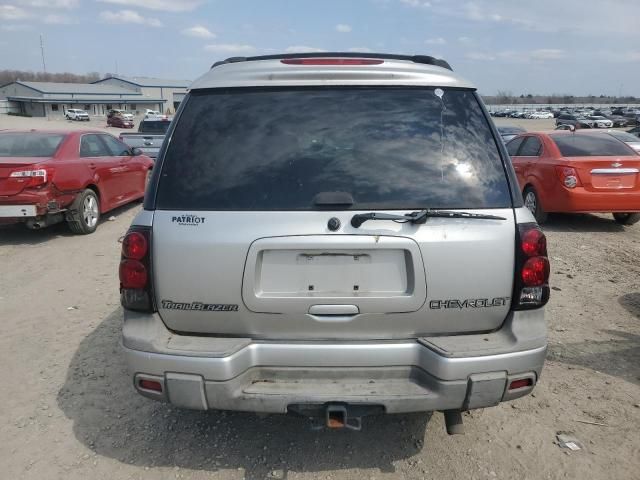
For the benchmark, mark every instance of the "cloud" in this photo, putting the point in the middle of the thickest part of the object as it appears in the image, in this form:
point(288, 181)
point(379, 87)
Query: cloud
point(619, 56)
point(479, 56)
point(416, 3)
point(198, 31)
point(473, 11)
point(67, 4)
point(436, 41)
point(55, 19)
point(464, 39)
point(547, 54)
point(359, 49)
point(602, 20)
point(16, 27)
point(129, 16)
point(343, 28)
point(162, 5)
point(303, 49)
point(230, 48)
point(10, 12)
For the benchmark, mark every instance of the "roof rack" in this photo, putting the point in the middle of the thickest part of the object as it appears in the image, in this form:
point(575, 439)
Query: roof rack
point(425, 59)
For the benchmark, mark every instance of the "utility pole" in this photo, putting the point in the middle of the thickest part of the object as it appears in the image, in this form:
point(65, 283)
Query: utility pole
point(44, 65)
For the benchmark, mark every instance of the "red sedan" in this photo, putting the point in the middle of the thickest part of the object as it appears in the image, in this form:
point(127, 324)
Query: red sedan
point(564, 171)
point(51, 176)
point(119, 121)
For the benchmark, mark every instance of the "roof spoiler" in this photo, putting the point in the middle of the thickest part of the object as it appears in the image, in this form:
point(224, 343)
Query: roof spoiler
point(424, 59)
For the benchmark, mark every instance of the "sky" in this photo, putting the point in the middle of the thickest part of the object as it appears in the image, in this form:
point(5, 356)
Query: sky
point(579, 47)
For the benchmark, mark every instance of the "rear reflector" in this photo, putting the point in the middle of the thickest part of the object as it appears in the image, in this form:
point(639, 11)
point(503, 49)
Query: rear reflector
point(150, 385)
point(523, 382)
point(331, 61)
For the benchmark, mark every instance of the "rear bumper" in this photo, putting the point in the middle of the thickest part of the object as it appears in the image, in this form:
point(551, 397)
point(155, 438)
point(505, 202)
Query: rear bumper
point(426, 374)
point(31, 203)
point(580, 200)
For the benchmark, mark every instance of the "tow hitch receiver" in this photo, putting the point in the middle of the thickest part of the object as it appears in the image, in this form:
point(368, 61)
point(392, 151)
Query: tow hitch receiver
point(337, 417)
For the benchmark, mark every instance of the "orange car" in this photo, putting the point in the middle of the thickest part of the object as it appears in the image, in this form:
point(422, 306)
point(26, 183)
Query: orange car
point(565, 171)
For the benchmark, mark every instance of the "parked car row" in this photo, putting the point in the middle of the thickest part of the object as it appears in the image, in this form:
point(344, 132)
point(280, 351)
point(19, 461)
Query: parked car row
point(522, 114)
point(82, 115)
point(588, 117)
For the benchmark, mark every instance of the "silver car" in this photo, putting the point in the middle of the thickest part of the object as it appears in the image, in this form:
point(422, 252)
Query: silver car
point(334, 235)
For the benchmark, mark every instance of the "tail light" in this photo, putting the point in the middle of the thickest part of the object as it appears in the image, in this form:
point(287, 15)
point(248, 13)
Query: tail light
point(32, 177)
point(531, 285)
point(136, 292)
point(568, 177)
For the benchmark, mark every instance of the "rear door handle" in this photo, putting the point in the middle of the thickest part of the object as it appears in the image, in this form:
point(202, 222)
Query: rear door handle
point(92, 166)
point(334, 310)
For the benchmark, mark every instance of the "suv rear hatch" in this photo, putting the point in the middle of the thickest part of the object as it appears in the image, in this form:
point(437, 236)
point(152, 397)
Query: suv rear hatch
point(252, 231)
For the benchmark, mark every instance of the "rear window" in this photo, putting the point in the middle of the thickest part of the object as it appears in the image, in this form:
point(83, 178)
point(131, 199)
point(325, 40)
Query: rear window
point(158, 127)
point(576, 145)
point(276, 149)
point(29, 144)
point(623, 136)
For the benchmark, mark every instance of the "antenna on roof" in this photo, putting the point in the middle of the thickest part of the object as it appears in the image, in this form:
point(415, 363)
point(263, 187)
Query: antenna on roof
point(44, 66)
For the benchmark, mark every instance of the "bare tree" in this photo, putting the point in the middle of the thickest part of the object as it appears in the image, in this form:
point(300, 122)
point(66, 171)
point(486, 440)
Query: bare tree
point(8, 76)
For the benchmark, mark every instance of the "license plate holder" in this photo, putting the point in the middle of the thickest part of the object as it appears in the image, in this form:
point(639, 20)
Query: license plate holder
point(12, 211)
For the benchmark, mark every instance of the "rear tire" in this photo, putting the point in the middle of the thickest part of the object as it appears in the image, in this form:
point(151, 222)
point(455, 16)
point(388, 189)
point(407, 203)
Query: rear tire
point(626, 218)
point(84, 214)
point(532, 202)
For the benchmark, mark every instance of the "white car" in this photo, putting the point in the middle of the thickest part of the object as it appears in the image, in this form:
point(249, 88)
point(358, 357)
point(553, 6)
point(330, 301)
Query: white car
point(154, 115)
point(541, 115)
point(76, 114)
point(601, 122)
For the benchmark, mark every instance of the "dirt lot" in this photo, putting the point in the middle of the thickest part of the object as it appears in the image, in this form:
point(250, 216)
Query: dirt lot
point(68, 410)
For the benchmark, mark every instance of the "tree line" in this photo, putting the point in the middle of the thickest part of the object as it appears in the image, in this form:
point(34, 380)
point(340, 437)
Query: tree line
point(8, 76)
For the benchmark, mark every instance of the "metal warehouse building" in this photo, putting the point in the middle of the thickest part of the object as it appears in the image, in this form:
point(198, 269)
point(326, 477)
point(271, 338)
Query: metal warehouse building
point(50, 99)
point(171, 91)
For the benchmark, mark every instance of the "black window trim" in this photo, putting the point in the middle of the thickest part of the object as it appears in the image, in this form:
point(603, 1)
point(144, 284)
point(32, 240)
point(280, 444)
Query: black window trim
point(150, 199)
point(105, 134)
point(97, 134)
point(524, 142)
point(520, 137)
point(631, 151)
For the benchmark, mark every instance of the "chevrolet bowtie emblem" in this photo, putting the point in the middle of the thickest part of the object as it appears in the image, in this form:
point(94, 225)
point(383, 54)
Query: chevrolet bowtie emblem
point(616, 164)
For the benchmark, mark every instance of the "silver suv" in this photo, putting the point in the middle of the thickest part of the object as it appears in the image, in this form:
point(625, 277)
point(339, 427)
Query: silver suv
point(334, 235)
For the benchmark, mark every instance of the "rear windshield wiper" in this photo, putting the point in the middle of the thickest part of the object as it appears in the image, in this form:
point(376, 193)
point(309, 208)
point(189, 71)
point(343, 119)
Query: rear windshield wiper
point(418, 217)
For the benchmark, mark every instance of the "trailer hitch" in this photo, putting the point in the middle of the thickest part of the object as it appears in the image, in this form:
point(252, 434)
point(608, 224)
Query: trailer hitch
point(335, 415)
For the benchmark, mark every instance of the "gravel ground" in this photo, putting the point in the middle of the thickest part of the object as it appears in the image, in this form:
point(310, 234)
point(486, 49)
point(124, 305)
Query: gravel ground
point(68, 409)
